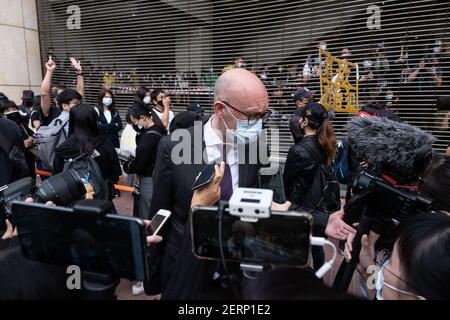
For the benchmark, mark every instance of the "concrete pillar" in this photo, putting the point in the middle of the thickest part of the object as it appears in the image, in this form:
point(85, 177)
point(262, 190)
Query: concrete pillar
point(20, 58)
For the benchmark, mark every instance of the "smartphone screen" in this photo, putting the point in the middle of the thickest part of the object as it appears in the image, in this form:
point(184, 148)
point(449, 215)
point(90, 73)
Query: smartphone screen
point(158, 221)
point(110, 244)
point(205, 177)
point(279, 240)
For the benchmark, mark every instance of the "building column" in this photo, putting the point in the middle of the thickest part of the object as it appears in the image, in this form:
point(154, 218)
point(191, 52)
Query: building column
point(20, 58)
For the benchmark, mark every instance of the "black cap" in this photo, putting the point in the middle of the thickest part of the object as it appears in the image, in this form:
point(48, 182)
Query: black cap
point(28, 95)
point(184, 120)
point(301, 94)
point(315, 112)
point(195, 107)
point(3, 99)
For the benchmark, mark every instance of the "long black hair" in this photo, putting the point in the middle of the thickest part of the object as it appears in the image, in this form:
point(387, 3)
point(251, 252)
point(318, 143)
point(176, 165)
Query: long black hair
point(424, 252)
point(437, 182)
point(139, 109)
point(83, 125)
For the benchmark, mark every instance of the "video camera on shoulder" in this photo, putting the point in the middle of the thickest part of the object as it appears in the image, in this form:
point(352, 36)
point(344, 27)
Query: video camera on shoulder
point(388, 201)
point(102, 245)
point(63, 189)
point(247, 232)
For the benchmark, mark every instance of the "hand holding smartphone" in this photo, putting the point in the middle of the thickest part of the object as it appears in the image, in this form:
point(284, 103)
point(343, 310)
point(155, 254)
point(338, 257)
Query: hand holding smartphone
point(206, 177)
point(158, 221)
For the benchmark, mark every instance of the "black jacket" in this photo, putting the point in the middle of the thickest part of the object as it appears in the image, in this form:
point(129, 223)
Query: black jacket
point(111, 129)
point(108, 160)
point(299, 175)
point(173, 191)
point(10, 132)
point(146, 150)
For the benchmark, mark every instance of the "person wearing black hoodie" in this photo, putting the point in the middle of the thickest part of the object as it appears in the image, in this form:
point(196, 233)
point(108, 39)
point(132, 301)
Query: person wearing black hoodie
point(85, 138)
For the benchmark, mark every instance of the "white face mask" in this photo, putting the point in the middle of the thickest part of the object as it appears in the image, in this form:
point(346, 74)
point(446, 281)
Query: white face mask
point(245, 132)
point(323, 47)
point(379, 284)
point(107, 101)
point(147, 100)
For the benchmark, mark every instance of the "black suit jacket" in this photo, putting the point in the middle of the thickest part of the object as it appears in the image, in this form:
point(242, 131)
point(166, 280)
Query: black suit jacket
point(172, 185)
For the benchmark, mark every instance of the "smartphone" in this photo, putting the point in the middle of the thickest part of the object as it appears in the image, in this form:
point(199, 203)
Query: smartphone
point(282, 240)
point(99, 244)
point(273, 181)
point(206, 177)
point(159, 220)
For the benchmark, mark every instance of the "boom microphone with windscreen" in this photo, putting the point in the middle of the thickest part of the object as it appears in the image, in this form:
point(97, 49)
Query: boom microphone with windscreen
point(399, 149)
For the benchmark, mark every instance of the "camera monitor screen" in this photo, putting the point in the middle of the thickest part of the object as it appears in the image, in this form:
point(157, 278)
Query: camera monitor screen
point(106, 245)
point(283, 239)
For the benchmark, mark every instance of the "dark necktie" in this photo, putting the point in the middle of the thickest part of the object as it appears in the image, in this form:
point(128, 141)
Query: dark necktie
point(226, 186)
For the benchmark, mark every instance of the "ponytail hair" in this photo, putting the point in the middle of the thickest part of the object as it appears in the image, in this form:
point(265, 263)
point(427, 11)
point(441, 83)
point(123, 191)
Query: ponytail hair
point(139, 109)
point(327, 140)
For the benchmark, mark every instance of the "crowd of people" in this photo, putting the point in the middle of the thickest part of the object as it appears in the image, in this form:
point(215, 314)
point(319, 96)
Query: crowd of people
point(416, 267)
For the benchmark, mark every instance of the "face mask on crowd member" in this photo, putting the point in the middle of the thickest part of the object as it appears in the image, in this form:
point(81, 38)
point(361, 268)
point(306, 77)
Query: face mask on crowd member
point(107, 101)
point(147, 100)
point(157, 97)
point(14, 116)
point(419, 267)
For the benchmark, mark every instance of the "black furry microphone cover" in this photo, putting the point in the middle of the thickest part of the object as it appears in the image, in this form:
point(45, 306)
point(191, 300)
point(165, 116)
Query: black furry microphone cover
point(393, 145)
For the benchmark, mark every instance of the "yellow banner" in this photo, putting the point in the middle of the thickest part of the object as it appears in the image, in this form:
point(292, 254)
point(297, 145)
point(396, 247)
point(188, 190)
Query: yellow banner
point(339, 83)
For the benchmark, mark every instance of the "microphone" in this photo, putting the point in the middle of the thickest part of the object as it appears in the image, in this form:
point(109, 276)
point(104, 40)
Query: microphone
point(402, 150)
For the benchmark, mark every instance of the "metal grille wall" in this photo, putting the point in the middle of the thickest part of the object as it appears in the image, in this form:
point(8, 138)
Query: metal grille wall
point(402, 47)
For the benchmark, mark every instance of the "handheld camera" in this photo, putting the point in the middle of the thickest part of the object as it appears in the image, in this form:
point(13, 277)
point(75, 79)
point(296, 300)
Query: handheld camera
point(100, 244)
point(62, 189)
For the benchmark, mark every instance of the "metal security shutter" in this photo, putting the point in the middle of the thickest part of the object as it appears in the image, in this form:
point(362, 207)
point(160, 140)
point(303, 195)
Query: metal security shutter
point(178, 45)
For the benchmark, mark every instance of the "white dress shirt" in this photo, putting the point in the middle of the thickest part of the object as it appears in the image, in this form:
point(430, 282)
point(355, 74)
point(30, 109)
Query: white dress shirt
point(160, 115)
point(214, 146)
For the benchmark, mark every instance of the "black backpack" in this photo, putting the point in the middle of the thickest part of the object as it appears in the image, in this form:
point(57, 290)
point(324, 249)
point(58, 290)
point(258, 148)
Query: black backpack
point(324, 194)
point(16, 155)
point(89, 170)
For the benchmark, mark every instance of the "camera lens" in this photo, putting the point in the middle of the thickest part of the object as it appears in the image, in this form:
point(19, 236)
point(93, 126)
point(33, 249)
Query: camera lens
point(62, 189)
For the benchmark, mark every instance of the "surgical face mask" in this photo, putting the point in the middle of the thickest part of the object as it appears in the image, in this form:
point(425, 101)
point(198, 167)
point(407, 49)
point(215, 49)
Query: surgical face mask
point(323, 47)
point(147, 100)
point(107, 101)
point(389, 97)
point(246, 132)
point(379, 284)
point(138, 128)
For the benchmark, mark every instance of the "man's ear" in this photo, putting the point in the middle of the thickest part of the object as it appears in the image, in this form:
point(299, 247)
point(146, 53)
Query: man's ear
point(219, 109)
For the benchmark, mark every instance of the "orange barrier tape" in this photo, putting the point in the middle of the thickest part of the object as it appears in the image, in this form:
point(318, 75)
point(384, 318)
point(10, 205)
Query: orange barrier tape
point(43, 173)
point(123, 188)
point(116, 186)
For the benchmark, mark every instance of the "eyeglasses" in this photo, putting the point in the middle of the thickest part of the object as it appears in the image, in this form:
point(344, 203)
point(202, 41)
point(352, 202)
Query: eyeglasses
point(380, 283)
point(251, 118)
